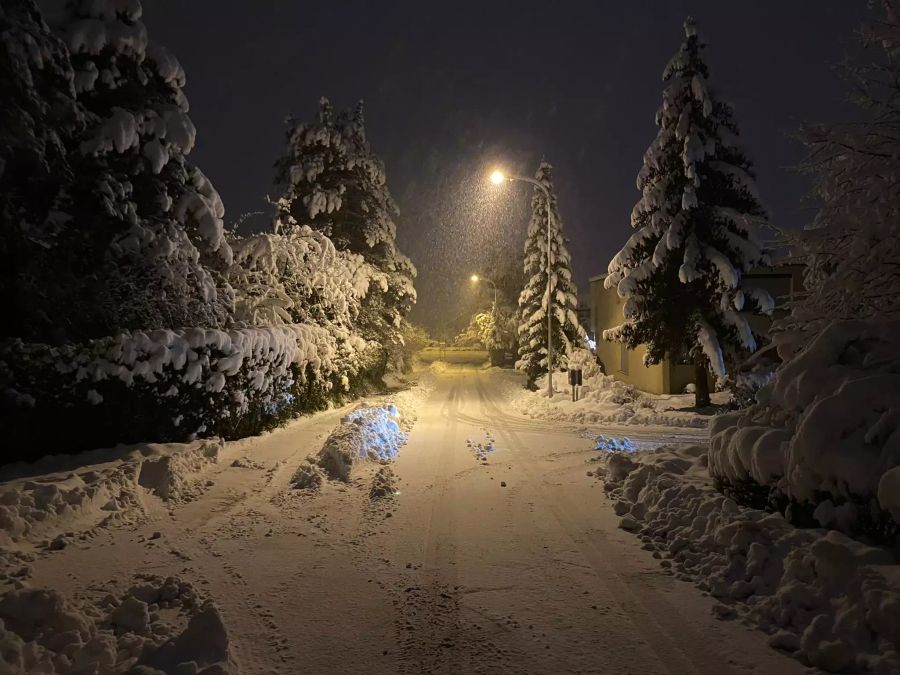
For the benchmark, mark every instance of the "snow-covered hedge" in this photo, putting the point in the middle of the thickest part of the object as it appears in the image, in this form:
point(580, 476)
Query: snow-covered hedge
point(164, 385)
point(824, 436)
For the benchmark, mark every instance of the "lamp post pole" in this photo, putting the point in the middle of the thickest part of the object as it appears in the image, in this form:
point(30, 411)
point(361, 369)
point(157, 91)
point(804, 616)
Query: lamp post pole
point(543, 188)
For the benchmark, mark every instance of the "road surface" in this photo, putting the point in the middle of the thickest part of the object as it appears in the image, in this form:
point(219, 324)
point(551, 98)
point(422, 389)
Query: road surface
point(509, 566)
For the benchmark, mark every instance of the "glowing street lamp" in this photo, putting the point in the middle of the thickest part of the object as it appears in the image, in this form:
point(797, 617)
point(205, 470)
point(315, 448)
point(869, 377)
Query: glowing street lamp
point(475, 279)
point(497, 178)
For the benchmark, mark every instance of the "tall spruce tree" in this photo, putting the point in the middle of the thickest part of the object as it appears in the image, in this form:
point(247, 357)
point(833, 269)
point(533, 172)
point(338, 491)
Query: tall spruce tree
point(333, 182)
point(39, 119)
point(535, 302)
point(145, 243)
point(680, 273)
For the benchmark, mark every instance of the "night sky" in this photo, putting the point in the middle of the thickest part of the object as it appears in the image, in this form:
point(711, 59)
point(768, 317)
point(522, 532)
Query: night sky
point(453, 88)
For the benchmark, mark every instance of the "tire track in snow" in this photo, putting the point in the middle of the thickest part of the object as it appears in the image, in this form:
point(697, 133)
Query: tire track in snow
point(679, 647)
point(433, 634)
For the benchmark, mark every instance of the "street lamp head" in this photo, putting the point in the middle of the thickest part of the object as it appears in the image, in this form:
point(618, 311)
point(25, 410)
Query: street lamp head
point(497, 177)
point(474, 278)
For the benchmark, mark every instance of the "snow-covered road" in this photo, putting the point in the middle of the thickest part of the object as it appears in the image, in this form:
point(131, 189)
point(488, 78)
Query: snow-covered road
point(513, 564)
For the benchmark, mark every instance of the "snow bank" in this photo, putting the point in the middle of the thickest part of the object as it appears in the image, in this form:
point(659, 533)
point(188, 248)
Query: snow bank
point(824, 434)
point(161, 624)
point(830, 600)
point(45, 499)
point(605, 400)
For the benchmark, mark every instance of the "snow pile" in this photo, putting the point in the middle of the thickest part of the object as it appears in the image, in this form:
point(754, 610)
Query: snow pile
point(383, 484)
point(367, 433)
point(308, 476)
point(824, 433)
point(606, 400)
point(830, 600)
point(161, 624)
point(105, 487)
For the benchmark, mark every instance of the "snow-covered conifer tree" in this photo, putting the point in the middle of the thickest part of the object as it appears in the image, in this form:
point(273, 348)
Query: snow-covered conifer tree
point(152, 252)
point(535, 301)
point(680, 273)
point(335, 184)
point(39, 119)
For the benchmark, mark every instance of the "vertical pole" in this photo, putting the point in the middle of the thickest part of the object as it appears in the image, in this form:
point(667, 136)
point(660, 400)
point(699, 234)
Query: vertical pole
point(549, 302)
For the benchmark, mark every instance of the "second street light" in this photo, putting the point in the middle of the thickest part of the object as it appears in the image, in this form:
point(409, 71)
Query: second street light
point(498, 178)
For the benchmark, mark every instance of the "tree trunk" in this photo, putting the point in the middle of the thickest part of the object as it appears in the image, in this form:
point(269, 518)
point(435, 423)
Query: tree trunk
point(701, 384)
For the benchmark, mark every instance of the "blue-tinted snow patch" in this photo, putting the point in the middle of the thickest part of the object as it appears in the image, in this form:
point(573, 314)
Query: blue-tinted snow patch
point(612, 444)
point(380, 433)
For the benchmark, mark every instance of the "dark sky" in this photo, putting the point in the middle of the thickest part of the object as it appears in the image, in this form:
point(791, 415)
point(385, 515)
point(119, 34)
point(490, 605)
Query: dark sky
point(453, 88)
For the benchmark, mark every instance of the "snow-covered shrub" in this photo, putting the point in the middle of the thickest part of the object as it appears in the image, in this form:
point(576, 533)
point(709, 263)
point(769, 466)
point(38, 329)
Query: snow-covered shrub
point(478, 333)
point(823, 434)
point(585, 360)
point(298, 278)
point(164, 386)
point(402, 355)
point(695, 225)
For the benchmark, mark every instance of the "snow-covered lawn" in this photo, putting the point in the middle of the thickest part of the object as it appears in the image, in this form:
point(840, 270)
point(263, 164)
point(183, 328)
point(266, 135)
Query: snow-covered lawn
point(605, 400)
point(831, 601)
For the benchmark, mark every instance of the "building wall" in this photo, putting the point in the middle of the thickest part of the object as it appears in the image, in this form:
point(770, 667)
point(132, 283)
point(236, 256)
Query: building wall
point(624, 364)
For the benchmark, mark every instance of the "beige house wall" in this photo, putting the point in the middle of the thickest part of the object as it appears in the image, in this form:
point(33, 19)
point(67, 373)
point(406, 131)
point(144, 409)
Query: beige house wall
point(626, 365)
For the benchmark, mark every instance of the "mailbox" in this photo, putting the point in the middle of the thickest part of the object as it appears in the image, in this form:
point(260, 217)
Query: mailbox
point(573, 377)
point(578, 377)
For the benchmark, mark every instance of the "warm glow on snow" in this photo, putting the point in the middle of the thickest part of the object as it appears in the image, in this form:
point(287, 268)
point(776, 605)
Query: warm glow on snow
point(497, 177)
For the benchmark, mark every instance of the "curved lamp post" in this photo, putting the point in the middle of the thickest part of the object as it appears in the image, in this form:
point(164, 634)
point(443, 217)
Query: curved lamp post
point(498, 178)
point(475, 279)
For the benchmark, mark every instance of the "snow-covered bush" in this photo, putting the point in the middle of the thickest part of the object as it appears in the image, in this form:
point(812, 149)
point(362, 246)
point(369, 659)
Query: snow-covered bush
point(478, 333)
point(298, 278)
point(680, 273)
point(585, 360)
point(164, 385)
point(535, 302)
point(823, 435)
point(402, 355)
